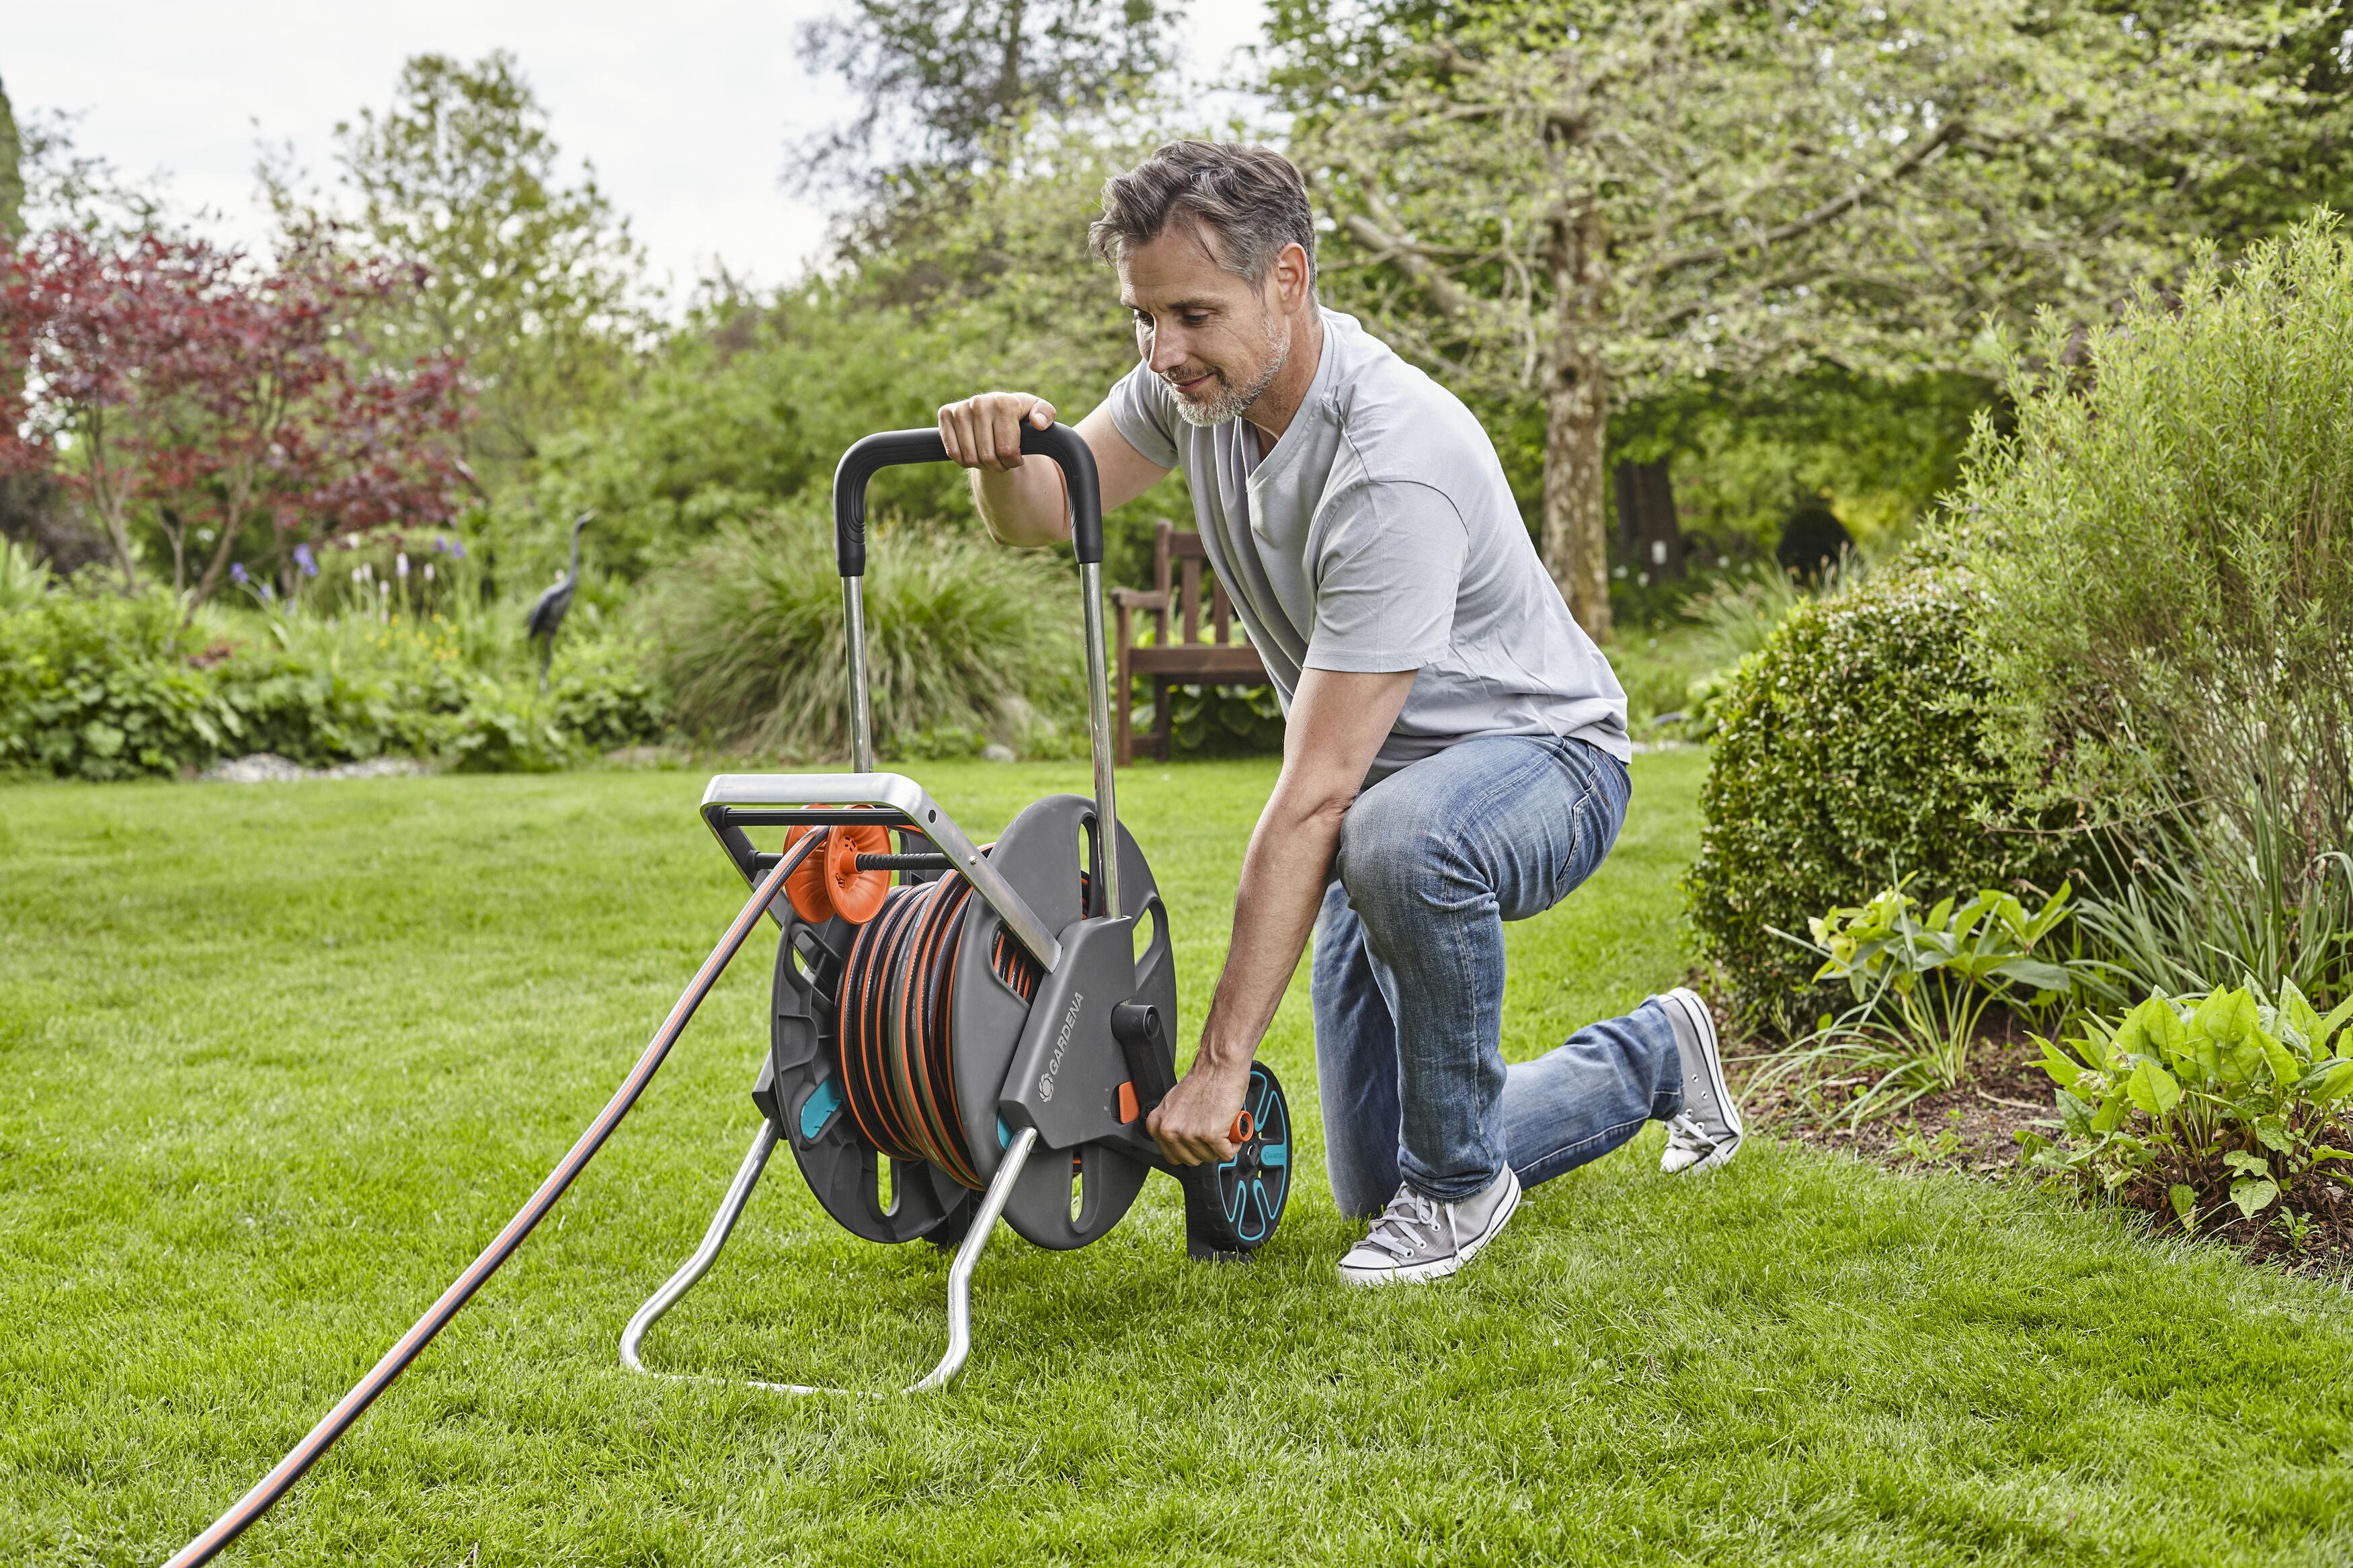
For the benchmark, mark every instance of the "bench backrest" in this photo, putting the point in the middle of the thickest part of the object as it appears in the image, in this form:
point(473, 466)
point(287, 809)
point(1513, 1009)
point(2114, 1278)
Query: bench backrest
point(1178, 565)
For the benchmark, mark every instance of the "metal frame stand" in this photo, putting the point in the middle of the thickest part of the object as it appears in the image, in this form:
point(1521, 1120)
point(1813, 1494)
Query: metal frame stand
point(1069, 450)
point(722, 1224)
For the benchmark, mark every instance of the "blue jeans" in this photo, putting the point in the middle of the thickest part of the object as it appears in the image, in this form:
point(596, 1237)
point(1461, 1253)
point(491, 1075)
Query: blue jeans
point(1408, 978)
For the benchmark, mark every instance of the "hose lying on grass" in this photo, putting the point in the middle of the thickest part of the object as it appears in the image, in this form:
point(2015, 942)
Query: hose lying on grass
point(336, 1422)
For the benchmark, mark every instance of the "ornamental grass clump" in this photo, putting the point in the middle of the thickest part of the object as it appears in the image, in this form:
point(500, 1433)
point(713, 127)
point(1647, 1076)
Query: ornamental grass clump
point(961, 634)
point(2217, 1109)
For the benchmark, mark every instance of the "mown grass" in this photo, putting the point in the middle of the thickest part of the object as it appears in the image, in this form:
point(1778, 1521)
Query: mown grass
point(275, 1061)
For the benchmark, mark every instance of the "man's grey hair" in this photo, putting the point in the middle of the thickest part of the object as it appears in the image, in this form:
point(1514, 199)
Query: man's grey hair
point(1247, 202)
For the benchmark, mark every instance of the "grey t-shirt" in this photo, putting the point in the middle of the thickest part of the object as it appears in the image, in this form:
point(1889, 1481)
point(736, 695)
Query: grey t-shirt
point(1379, 534)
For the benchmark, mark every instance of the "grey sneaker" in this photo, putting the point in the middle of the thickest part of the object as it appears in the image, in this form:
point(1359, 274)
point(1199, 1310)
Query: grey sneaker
point(1418, 1237)
point(1707, 1133)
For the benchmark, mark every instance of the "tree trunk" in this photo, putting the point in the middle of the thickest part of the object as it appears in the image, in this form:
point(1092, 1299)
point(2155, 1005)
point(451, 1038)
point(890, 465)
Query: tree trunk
point(1008, 67)
point(240, 500)
point(106, 501)
point(118, 534)
point(1577, 420)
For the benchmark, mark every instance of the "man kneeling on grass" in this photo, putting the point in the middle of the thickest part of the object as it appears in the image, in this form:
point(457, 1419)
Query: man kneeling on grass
point(1455, 752)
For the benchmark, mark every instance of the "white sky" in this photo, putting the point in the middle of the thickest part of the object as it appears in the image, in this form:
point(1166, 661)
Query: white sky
point(684, 107)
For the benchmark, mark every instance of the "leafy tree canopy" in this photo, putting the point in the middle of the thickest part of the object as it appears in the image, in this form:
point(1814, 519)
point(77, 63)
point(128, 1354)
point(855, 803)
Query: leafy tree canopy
point(943, 79)
point(1561, 205)
point(533, 281)
point(172, 384)
point(987, 283)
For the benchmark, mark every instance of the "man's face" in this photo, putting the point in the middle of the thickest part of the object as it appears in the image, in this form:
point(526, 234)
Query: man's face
point(1216, 338)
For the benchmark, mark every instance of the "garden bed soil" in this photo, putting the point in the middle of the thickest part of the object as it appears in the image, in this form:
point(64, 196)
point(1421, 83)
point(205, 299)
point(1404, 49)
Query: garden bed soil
point(1973, 1129)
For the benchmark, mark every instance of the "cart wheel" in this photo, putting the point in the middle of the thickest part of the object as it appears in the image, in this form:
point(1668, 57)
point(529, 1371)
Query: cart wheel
point(1252, 1185)
point(1231, 1209)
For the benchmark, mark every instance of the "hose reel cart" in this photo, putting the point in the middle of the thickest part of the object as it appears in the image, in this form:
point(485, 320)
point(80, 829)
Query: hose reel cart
point(975, 1021)
point(984, 1038)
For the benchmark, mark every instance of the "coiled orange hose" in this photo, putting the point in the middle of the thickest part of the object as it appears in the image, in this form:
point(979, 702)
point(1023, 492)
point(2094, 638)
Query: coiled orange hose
point(894, 1032)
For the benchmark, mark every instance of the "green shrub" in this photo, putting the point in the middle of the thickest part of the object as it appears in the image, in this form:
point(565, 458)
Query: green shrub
point(317, 716)
point(23, 578)
point(98, 686)
point(2202, 1106)
point(94, 685)
point(502, 730)
point(2171, 547)
point(316, 705)
point(1217, 721)
point(961, 634)
point(1852, 748)
point(602, 696)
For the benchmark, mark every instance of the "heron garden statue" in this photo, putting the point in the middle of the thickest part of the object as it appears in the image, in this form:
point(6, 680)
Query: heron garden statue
point(547, 611)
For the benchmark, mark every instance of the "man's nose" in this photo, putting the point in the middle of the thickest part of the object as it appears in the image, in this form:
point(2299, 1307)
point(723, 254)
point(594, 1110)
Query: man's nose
point(1165, 351)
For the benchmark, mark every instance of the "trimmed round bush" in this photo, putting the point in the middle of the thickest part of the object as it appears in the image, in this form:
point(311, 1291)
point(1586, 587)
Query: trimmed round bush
point(1855, 748)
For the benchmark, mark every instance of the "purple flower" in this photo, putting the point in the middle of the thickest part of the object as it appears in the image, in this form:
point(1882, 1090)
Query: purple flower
point(306, 561)
point(237, 573)
point(457, 549)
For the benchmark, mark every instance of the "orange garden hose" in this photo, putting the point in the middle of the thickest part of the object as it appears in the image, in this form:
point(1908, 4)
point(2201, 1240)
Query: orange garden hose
point(896, 1055)
point(336, 1422)
point(892, 1029)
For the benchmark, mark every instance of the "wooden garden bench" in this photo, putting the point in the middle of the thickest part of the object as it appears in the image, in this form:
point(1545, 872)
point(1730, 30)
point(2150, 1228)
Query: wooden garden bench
point(1173, 602)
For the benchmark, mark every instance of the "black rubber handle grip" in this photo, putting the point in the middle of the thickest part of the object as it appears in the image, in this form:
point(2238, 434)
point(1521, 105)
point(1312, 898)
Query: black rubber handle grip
point(1151, 1059)
point(890, 448)
point(1152, 1069)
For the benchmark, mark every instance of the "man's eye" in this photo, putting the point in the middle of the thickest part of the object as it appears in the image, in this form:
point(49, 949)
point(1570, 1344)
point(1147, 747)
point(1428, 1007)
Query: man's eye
point(1196, 320)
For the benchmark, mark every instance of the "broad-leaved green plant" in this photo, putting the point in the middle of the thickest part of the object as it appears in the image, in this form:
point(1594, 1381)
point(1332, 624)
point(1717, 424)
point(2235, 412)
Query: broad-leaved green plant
point(1923, 981)
point(2202, 1105)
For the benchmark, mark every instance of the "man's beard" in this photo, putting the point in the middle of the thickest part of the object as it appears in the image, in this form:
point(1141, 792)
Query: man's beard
point(1229, 401)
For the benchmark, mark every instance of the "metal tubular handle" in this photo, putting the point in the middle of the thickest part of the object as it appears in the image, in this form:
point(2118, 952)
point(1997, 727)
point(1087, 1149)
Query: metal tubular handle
point(893, 449)
point(1069, 449)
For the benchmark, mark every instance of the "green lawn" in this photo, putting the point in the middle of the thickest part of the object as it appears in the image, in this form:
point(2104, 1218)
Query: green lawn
point(279, 1060)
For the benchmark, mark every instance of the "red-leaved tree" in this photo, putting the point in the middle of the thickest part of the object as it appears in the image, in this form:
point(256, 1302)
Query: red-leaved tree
point(167, 381)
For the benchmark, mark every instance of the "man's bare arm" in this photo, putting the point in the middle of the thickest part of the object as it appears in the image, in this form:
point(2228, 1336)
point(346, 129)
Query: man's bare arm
point(1337, 723)
point(1024, 503)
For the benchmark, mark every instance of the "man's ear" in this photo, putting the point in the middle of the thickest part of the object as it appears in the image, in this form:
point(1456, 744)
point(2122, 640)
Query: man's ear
point(1293, 275)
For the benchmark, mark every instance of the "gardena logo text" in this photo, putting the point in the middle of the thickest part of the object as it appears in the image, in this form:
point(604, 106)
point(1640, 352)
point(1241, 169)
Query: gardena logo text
point(1061, 1044)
